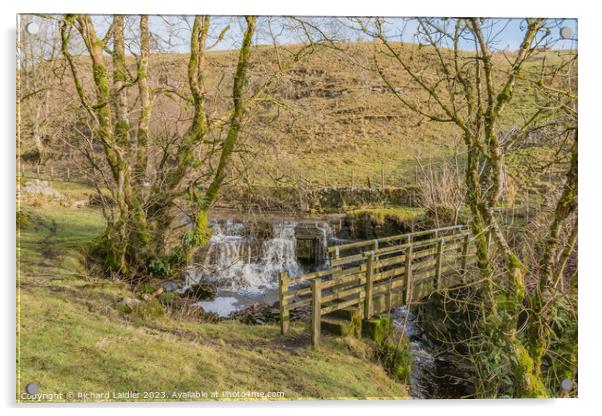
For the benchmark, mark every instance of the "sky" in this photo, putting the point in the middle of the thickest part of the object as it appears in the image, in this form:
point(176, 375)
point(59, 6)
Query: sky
point(173, 32)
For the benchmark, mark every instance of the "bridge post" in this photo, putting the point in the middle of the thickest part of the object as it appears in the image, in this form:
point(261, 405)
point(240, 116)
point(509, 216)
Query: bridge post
point(439, 263)
point(284, 313)
point(368, 289)
point(409, 255)
point(464, 256)
point(316, 304)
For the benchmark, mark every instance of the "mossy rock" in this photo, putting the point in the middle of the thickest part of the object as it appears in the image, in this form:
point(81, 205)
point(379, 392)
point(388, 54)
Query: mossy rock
point(350, 326)
point(377, 329)
point(201, 291)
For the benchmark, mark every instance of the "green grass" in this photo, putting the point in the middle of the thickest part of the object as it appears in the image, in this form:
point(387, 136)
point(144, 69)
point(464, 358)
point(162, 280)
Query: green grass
point(71, 337)
point(399, 215)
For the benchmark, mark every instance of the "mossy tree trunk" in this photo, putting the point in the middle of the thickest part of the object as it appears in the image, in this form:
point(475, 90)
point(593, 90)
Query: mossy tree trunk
point(473, 92)
point(140, 226)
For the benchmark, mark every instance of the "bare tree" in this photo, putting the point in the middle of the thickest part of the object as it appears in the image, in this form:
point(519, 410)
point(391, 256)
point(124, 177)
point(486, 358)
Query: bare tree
point(470, 86)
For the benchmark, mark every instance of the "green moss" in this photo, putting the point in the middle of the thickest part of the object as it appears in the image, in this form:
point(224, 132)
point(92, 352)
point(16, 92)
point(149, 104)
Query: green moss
point(397, 359)
point(377, 329)
point(378, 216)
point(529, 383)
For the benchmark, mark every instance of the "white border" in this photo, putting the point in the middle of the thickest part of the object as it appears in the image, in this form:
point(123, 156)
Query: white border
point(590, 202)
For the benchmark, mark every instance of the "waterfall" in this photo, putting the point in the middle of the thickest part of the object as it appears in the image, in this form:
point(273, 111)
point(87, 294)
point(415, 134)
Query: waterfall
point(229, 263)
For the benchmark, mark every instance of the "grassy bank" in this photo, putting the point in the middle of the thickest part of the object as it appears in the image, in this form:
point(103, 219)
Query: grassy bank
point(72, 338)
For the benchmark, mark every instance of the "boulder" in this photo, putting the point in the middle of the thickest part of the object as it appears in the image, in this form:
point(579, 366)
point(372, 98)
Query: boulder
point(201, 291)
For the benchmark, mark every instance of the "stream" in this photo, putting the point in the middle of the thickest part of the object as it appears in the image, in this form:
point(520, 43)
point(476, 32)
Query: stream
point(243, 260)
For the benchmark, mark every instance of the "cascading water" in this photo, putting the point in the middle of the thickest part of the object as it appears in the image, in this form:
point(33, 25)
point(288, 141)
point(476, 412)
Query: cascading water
point(229, 263)
point(245, 268)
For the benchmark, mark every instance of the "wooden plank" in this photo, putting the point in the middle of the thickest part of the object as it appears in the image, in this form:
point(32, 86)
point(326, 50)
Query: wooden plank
point(391, 261)
point(294, 293)
point(383, 287)
point(316, 305)
point(342, 294)
point(342, 305)
point(293, 305)
point(398, 271)
point(368, 300)
point(464, 256)
point(346, 260)
point(439, 263)
point(309, 276)
point(408, 295)
point(424, 265)
point(343, 280)
point(284, 313)
point(395, 237)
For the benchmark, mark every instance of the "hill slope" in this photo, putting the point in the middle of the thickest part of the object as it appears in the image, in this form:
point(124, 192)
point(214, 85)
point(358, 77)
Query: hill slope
point(329, 119)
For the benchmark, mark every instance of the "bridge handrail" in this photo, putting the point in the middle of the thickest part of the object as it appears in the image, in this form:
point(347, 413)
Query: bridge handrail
point(392, 271)
point(406, 236)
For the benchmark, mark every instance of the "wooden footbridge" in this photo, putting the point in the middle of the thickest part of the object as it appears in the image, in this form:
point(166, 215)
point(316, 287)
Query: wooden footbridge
point(368, 278)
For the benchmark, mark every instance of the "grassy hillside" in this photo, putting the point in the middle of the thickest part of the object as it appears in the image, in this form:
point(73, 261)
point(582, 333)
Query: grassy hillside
point(72, 337)
point(329, 119)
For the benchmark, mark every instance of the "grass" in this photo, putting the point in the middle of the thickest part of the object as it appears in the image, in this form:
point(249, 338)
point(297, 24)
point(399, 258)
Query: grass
point(398, 215)
point(72, 338)
point(311, 132)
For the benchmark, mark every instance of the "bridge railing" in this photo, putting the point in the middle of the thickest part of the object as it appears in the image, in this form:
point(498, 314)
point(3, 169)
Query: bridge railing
point(384, 274)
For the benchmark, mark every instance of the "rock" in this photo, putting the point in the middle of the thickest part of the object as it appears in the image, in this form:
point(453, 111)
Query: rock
point(82, 203)
point(201, 291)
point(169, 286)
point(127, 305)
point(37, 187)
point(131, 302)
point(256, 314)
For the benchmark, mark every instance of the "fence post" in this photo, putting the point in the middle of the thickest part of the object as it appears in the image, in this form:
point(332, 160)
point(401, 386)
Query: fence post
point(38, 170)
point(316, 304)
point(353, 179)
point(439, 263)
point(465, 256)
point(51, 171)
point(284, 313)
point(390, 295)
point(68, 174)
point(409, 255)
point(382, 176)
point(368, 299)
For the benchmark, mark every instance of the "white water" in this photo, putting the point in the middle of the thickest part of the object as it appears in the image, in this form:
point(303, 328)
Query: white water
point(230, 265)
point(222, 305)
